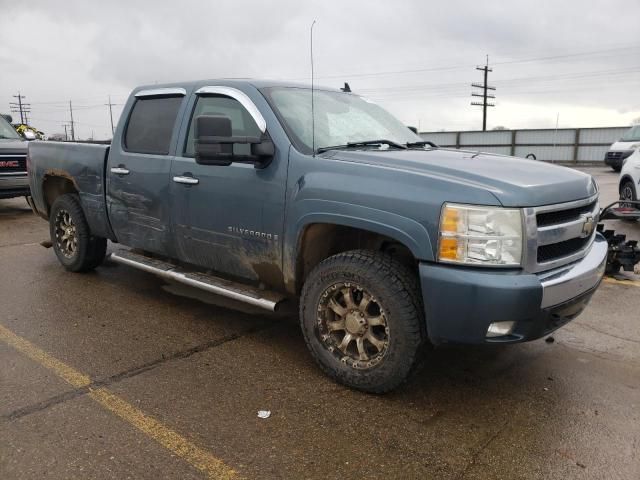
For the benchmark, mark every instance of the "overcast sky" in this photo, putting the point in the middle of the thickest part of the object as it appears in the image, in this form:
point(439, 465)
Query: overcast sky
point(576, 58)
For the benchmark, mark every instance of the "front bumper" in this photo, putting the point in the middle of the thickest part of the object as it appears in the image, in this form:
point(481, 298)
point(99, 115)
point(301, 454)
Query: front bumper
point(461, 302)
point(614, 162)
point(14, 185)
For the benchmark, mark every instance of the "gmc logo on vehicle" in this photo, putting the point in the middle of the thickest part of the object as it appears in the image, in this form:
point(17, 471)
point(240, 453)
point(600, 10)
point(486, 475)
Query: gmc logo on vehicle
point(9, 164)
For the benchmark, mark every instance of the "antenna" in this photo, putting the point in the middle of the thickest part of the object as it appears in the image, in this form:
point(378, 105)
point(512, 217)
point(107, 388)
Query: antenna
point(313, 115)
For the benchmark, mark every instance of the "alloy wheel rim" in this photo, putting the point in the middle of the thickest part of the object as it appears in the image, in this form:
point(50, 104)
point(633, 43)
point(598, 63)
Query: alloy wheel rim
point(352, 325)
point(66, 234)
point(626, 194)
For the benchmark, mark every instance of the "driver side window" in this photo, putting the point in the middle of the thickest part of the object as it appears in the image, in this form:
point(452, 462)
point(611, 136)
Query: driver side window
point(242, 123)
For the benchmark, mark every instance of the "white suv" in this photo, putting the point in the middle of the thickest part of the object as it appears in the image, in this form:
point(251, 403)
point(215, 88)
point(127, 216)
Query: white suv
point(623, 148)
point(630, 168)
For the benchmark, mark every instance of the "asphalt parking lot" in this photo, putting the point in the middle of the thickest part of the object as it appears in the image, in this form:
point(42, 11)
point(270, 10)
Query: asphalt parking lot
point(116, 374)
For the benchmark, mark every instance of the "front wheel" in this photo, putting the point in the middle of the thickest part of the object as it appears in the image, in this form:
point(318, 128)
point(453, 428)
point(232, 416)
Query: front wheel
point(363, 320)
point(76, 249)
point(628, 192)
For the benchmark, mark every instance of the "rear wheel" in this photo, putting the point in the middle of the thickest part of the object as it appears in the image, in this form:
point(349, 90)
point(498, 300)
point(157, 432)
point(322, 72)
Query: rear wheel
point(362, 320)
point(76, 249)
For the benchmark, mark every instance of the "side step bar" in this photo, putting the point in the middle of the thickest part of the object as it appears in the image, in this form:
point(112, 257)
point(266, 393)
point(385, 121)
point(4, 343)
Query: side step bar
point(237, 291)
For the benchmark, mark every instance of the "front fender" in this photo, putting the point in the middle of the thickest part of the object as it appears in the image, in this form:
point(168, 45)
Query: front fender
point(404, 230)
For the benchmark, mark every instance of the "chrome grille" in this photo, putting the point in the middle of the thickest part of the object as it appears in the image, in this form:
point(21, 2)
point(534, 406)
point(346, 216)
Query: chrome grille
point(559, 234)
point(556, 217)
point(13, 163)
point(618, 154)
point(547, 253)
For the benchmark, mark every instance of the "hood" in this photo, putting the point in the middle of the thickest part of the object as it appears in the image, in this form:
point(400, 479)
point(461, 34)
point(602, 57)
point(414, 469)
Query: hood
point(624, 145)
point(515, 182)
point(10, 146)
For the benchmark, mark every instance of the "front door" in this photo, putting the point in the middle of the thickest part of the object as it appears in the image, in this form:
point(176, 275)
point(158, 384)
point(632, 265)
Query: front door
point(229, 218)
point(138, 172)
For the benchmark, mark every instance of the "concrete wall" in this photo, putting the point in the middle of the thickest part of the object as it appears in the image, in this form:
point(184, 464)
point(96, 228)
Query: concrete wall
point(566, 145)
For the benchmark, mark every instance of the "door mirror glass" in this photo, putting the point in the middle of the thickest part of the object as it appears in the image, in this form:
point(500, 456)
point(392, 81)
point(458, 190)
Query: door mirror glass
point(214, 141)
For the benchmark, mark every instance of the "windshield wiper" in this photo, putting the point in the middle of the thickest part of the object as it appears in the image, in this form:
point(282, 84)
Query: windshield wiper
point(422, 143)
point(364, 143)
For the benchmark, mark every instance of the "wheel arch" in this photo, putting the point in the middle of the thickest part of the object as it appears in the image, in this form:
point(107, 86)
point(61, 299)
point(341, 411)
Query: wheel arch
point(319, 236)
point(55, 185)
point(627, 178)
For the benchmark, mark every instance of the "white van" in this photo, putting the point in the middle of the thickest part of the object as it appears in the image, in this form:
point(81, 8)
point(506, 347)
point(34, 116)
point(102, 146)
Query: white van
point(623, 148)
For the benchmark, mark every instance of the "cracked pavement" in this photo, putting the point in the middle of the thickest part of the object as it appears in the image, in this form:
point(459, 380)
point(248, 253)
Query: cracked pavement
point(202, 366)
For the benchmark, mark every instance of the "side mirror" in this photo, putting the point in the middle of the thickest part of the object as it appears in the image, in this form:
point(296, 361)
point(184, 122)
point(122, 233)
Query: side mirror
point(214, 142)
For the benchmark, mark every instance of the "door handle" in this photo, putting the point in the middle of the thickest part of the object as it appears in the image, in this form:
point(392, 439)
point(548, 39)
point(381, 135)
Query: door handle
point(120, 170)
point(186, 180)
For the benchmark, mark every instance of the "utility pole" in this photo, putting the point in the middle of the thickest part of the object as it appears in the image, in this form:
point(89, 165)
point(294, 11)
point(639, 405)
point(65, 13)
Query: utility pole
point(73, 131)
point(111, 115)
point(21, 107)
point(485, 96)
point(66, 135)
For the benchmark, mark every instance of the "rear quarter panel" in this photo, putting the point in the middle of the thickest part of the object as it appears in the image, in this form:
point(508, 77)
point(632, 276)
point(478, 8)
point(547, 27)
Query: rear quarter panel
point(81, 164)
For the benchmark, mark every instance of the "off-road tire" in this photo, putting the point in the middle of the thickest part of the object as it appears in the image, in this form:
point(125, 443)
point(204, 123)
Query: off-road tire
point(396, 289)
point(90, 250)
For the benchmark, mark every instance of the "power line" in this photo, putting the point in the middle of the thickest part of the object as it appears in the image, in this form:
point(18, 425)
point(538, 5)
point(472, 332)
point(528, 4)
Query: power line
point(485, 96)
point(551, 83)
point(463, 66)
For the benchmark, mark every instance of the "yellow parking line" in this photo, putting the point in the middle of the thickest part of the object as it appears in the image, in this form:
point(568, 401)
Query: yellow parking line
point(176, 443)
point(631, 283)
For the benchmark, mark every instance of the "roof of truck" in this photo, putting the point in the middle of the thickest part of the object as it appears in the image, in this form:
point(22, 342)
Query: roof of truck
point(257, 83)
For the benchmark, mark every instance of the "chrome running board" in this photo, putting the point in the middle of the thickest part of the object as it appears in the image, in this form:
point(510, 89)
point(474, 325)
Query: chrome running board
point(260, 298)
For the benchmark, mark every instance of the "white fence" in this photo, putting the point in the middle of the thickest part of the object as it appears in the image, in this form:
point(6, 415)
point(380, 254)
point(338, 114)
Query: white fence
point(564, 145)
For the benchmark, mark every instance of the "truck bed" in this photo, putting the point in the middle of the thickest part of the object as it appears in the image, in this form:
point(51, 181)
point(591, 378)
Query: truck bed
point(81, 164)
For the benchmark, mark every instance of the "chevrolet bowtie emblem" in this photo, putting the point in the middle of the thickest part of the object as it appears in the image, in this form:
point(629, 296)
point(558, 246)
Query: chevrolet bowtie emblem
point(588, 226)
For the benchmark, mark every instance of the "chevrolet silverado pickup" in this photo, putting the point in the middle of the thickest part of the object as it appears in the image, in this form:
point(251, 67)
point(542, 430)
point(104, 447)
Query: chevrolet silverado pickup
point(389, 243)
point(13, 167)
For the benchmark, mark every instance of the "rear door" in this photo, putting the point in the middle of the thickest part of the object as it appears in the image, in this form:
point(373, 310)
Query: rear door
point(138, 171)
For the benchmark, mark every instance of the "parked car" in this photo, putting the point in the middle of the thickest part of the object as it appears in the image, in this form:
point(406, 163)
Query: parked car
point(390, 244)
point(623, 148)
point(13, 162)
point(629, 185)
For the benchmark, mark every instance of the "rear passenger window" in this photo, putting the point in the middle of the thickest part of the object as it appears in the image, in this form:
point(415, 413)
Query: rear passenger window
point(151, 125)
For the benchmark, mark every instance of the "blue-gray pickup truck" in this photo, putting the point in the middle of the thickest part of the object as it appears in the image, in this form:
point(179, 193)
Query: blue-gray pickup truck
point(390, 243)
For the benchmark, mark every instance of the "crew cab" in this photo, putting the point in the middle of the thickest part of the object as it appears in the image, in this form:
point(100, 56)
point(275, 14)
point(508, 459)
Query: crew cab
point(13, 162)
point(270, 192)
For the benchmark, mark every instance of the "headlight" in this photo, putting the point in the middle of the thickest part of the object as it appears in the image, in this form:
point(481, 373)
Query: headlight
point(483, 236)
